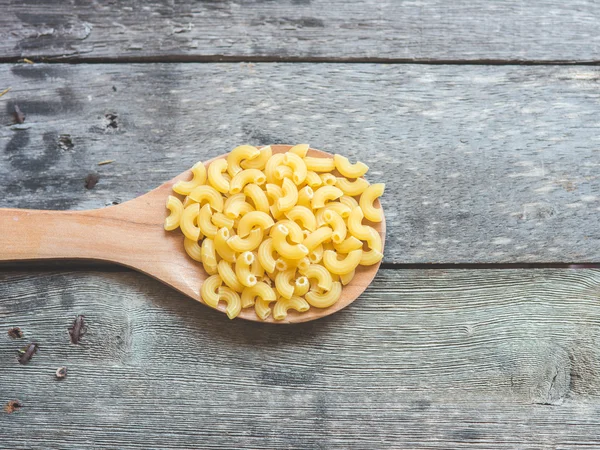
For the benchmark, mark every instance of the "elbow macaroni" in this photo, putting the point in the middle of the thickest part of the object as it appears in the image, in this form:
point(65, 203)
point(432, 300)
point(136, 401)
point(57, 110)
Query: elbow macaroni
point(277, 227)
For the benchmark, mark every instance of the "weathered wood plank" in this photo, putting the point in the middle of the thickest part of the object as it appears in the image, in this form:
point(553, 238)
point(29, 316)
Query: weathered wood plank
point(483, 164)
point(426, 359)
point(509, 30)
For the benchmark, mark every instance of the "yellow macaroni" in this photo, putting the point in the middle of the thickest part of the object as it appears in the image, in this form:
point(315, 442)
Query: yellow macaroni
point(352, 188)
point(187, 223)
point(319, 164)
point(283, 305)
point(198, 179)
point(244, 177)
point(349, 170)
point(175, 208)
point(277, 231)
point(232, 298)
point(324, 194)
point(208, 291)
point(215, 175)
point(303, 215)
point(260, 161)
point(208, 194)
point(366, 202)
point(284, 248)
point(341, 266)
point(326, 299)
point(237, 155)
point(242, 269)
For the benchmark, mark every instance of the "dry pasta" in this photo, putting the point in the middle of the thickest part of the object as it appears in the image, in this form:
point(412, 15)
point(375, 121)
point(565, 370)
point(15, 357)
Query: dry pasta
point(277, 231)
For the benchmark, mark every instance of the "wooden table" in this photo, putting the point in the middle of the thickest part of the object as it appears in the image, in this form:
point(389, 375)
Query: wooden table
point(481, 117)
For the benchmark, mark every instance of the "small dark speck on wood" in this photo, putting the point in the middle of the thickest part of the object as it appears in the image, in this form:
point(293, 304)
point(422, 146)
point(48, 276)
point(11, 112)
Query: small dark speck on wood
point(65, 142)
point(78, 329)
point(12, 405)
point(18, 115)
point(15, 333)
point(111, 120)
point(114, 88)
point(91, 180)
point(61, 373)
point(27, 353)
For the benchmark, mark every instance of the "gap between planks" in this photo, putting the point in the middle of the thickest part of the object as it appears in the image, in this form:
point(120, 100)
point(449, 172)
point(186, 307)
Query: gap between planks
point(180, 59)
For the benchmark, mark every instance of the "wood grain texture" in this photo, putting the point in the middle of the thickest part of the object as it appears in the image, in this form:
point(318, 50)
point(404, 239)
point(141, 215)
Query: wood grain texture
point(506, 30)
point(424, 359)
point(482, 164)
point(132, 234)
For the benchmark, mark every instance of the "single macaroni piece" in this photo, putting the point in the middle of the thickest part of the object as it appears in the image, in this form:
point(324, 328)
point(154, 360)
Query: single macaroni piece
point(338, 225)
point(300, 150)
point(238, 244)
point(232, 298)
point(352, 188)
point(319, 164)
point(265, 255)
point(283, 283)
point(239, 154)
point(221, 246)
point(290, 195)
point(193, 249)
point(355, 225)
point(323, 194)
point(346, 278)
point(303, 215)
point(221, 220)
point(242, 269)
point(368, 198)
point(208, 194)
point(258, 197)
point(254, 219)
point(326, 299)
point(236, 205)
point(260, 161)
point(228, 276)
point(282, 172)
point(198, 179)
point(205, 222)
point(301, 286)
point(319, 273)
point(349, 244)
point(283, 305)
point(215, 175)
point(349, 170)
point(296, 235)
point(320, 235)
point(305, 196)
point(208, 291)
point(277, 227)
point(187, 223)
point(175, 208)
point(298, 167)
point(244, 177)
point(328, 179)
point(341, 266)
point(284, 248)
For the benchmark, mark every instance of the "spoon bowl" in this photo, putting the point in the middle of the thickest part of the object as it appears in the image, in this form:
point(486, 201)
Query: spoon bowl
point(132, 234)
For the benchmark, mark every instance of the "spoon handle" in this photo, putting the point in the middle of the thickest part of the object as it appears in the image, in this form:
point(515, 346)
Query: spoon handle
point(35, 234)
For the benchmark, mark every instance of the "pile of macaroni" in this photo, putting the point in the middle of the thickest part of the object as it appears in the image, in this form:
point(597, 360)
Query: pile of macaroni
point(282, 228)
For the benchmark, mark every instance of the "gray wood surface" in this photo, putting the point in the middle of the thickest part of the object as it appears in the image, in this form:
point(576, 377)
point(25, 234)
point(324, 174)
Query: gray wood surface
point(425, 30)
point(425, 359)
point(482, 164)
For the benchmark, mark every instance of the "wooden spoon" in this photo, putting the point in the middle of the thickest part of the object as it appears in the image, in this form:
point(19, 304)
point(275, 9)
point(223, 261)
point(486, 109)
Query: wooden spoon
point(132, 234)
